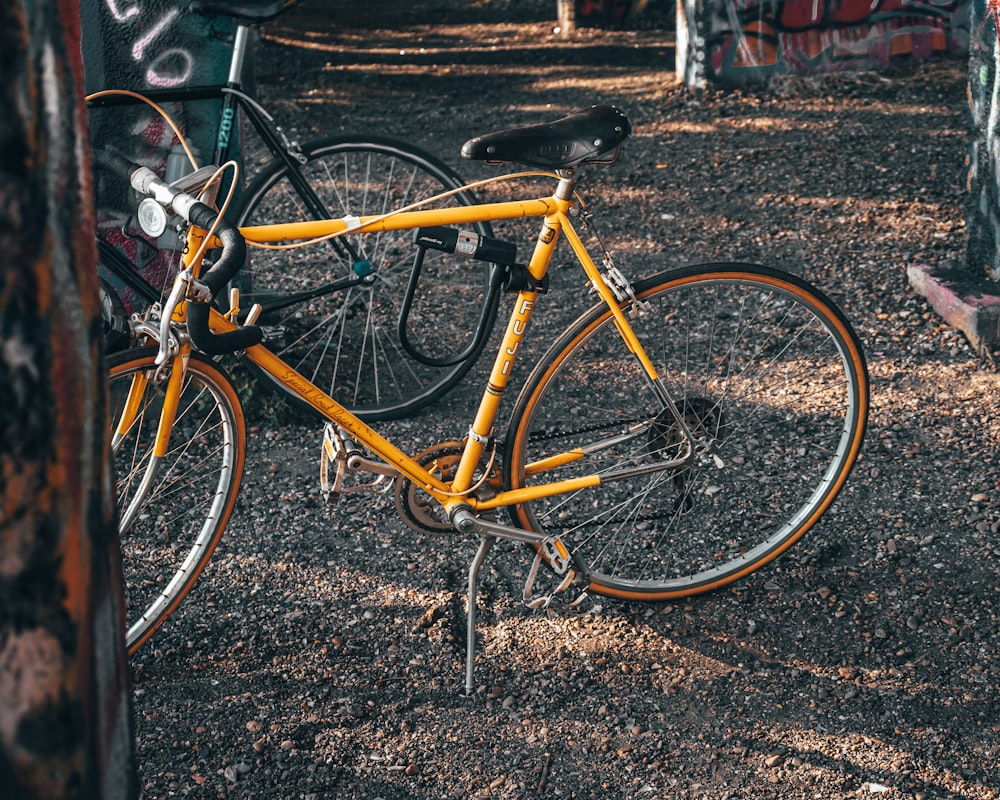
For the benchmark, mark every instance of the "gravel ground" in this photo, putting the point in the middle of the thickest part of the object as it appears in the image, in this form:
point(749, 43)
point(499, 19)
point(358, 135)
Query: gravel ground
point(321, 656)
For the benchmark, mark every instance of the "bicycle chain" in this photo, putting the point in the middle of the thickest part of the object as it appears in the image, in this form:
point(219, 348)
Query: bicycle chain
point(698, 411)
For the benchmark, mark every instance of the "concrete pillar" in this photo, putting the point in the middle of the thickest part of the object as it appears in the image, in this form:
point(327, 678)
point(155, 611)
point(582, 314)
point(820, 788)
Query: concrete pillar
point(983, 210)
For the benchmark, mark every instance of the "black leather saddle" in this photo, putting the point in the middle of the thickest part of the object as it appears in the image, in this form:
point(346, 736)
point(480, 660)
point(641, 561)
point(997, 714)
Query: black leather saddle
point(591, 136)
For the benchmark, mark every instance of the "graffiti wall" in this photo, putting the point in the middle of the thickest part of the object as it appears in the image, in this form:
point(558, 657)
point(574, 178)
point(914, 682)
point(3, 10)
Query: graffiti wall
point(149, 44)
point(982, 218)
point(746, 41)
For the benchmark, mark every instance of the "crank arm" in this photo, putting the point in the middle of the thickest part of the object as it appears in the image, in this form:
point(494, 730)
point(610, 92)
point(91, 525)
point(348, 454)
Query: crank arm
point(553, 549)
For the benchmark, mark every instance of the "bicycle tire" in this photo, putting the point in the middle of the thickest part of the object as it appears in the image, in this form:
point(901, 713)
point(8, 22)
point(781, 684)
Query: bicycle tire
point(346, 341)
point(170, 525)
point(758, 358)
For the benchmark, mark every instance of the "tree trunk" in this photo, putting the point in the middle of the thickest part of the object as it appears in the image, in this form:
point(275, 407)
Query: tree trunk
point(65, 712)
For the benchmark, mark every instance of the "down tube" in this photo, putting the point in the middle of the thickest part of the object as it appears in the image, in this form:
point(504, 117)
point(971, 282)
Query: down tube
point(287, 379)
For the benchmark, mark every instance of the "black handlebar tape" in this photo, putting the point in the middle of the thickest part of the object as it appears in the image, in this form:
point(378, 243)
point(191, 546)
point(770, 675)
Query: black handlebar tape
point(114, 163)
point(234, 252)
point(234, 249)
point(217, 344)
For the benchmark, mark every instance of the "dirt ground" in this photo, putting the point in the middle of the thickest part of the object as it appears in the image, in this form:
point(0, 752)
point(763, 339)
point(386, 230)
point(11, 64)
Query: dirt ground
point(321, 656)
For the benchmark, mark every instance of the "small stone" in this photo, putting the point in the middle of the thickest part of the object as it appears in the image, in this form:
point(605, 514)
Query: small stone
point(412, 769)
point(773, 760)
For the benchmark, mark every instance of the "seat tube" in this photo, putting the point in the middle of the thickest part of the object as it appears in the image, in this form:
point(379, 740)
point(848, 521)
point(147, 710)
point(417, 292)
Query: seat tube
point(503, 366)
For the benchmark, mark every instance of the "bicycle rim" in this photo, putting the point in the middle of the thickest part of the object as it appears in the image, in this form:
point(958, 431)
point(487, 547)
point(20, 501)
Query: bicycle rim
point(172, 512)
point(346, 340)
point(761, 366)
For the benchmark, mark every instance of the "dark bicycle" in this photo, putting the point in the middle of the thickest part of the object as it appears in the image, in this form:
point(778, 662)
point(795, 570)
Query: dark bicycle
point(356, 315)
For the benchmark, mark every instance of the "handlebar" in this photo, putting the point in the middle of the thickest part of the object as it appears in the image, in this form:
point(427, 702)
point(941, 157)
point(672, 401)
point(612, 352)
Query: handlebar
point(176, 199)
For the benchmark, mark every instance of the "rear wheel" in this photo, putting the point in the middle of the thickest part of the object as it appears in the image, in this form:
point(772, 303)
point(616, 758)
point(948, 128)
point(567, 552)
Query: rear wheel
point(766, 374)
point(332, 310)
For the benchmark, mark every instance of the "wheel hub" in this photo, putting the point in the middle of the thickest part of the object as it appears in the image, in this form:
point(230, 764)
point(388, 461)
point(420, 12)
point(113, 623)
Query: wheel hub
point(702, 416)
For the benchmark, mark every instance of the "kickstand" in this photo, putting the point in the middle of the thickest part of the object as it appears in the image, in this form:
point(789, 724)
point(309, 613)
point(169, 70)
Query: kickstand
point(470, 648)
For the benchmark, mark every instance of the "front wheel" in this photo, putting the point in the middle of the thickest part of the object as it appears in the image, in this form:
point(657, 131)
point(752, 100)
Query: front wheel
point(332, 310)
point(766, 374)
point(174, 508)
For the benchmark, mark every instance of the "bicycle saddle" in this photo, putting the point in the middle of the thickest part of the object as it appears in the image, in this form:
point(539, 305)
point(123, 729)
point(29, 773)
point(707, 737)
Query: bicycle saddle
point(247, 10)
point(590, 136)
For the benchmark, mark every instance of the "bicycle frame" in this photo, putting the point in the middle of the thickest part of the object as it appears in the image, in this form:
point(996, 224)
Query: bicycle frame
point(555, 212)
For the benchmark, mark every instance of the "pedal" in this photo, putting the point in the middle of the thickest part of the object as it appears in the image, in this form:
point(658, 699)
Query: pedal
point(549, 551)
point(274, 335)
point(342, 455)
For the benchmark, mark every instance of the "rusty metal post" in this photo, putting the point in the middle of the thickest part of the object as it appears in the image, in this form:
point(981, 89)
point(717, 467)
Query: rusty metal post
point(65, 713)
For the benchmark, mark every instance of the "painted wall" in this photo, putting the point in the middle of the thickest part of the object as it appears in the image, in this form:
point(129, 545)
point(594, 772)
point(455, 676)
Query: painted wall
point(982, 216)
point(140, 44)
point(137, 45)
point(733, 42)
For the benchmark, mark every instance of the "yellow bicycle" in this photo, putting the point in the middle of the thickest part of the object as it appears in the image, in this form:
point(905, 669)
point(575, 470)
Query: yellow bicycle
point(683, 432)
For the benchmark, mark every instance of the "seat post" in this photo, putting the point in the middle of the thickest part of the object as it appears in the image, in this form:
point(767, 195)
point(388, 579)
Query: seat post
point(567, 183)
point(240, 44)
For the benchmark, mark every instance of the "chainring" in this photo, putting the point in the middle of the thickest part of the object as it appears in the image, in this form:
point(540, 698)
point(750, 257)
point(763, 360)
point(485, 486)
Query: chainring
point(417, 508)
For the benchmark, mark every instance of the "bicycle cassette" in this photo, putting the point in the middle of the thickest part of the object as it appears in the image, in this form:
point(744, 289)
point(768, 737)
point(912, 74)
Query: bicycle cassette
point(418, 509)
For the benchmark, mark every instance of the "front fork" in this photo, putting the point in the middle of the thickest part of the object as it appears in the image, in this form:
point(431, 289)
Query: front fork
point(133, 409)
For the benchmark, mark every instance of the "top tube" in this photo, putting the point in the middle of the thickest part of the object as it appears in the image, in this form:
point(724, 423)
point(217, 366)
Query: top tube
point(405, 220)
